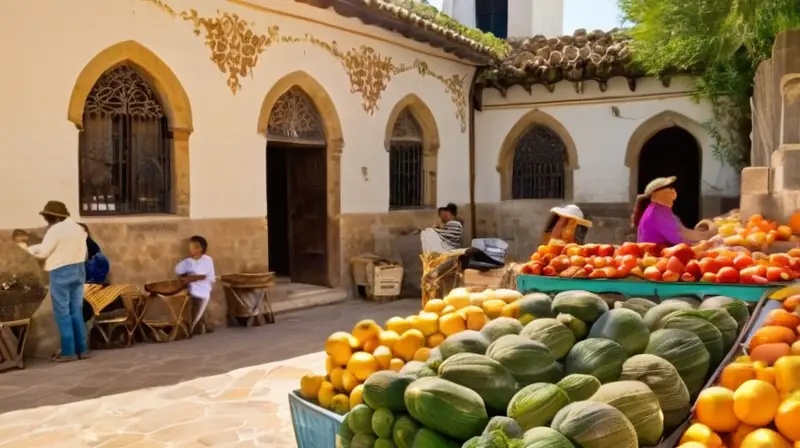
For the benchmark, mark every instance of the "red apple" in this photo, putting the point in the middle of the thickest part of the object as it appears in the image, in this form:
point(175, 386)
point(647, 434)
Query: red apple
point(590, 250)
point(549, 271)
point(630, 249)
point(611, 272)
point(599, 262)
point(743, 261)
point(652, 273)
point(577, 260)
point(661, 264)
point(709, 264)
point(649, 249)
point(709, 277)
point(670, 276)
point(598, 273)
point(693, 268)
point(682, 251)
point(688, 277)
point(605, 250)
point(588, 268)
point(675, 265)
point(572, 249)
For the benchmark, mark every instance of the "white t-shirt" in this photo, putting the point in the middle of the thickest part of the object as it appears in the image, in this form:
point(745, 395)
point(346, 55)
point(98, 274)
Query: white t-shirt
point(64, 244)
point(204, 265)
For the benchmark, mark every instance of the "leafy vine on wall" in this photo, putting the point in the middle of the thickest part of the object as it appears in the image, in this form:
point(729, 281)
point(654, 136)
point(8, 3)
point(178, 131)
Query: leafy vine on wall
point(236, 50)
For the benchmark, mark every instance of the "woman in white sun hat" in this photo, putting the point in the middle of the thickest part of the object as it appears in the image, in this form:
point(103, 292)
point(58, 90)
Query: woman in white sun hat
point(566, 224)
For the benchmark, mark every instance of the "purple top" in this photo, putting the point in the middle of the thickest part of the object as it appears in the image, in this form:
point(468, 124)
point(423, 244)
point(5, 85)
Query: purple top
point(659, 225)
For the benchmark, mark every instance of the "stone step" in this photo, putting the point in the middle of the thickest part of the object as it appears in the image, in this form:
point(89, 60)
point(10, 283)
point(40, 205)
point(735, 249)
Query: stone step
point(295, 296)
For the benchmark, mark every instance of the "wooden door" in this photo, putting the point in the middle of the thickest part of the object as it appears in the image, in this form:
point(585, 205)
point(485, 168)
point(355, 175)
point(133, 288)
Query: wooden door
point(308, 194)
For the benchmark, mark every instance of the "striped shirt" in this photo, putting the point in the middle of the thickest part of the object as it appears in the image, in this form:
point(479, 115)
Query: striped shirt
point(451, 234)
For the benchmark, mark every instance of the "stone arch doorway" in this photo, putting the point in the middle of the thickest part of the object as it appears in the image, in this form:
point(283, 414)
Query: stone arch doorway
point(303, 151)
point(134, 119)
point(674, 151)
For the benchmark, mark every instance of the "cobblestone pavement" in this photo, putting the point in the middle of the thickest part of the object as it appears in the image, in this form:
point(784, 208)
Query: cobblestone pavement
point(224, 389)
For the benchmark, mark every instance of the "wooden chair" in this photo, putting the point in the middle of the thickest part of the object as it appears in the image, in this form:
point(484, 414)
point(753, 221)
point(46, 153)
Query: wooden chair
point(167, 311)
point(13, 335)
point(113, 328)
point(248, 298)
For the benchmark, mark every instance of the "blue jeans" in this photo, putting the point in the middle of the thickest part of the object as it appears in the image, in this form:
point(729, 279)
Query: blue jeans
point(66, 290)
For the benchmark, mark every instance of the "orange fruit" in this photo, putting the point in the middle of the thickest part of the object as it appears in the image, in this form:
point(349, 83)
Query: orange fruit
point(435, 339)
point(787, 419)
point(765, 438)
point(701, 434)
point(738, 436)
point(715, 409)
point(735, 374)
point(755, 402)
point(692, 445)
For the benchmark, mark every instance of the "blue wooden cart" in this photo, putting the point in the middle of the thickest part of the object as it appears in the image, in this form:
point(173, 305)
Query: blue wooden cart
point(314, 427)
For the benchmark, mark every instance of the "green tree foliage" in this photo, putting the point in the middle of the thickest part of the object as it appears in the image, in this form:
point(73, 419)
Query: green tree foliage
point(722, 42)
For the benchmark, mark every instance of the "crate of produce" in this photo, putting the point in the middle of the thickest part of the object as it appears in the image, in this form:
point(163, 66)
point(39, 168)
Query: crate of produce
point(314, 426)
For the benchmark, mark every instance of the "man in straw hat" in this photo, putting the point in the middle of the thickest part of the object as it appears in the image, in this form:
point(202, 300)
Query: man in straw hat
point(64, 252)
point(653, 216)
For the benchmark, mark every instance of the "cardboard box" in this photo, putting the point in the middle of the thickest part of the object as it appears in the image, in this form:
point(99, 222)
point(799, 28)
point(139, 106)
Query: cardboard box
point(386, 282)
point(492, 278)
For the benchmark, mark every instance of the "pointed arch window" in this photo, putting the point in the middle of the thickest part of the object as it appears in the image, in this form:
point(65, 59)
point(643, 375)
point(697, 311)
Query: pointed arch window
point(295, 119)
point(406, 174)
point(125, 147)
point(538, 170)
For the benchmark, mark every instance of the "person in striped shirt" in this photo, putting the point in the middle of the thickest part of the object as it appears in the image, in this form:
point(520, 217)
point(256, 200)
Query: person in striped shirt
point(450, 229)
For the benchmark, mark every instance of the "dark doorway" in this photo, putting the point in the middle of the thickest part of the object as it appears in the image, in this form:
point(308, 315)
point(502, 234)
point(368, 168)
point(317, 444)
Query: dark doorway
point(297, 212)
point(674, 152)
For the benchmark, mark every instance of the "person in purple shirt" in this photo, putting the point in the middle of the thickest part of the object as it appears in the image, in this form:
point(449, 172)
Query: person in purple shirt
point(656, 223)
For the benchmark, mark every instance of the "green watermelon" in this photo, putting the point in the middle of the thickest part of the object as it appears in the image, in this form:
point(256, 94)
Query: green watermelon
point(577, 326)
point(416, 369)
point(469, 341)
point(653, 317)
point(403, 431)
point(495, 439)
point(725, 323)
point(537, 404)
point(639, 404)
point(384, 443)
point(544, 437)
point(588, 424)
point(507, 425)
point(360, 419)
point(363, 440)
point(579, 386)
point(703, 329)
point(736, 308)
point(641, 306)
point(344, 429)
point(482, 374)
point(552, 333)
point(385, 389)
point(665, 382)
point(501, 326)
point(584, 305)
point(428, 438)
point(447, 408)
point(382, 423)
point(601, 358)
point(625, 327)
point(536, 305)
point(693, 302)
point(528, 361)
point(685, 352)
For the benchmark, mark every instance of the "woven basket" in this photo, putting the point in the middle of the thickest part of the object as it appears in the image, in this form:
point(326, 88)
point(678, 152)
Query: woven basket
point(166, 287)
point(255, 280)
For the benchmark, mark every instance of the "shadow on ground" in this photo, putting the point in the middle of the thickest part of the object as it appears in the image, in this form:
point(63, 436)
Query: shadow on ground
point(143, 366)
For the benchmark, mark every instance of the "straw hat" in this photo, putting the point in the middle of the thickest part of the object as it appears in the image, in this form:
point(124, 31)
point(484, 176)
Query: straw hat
point(658, 184)
point(55, 208)
point(571, 212)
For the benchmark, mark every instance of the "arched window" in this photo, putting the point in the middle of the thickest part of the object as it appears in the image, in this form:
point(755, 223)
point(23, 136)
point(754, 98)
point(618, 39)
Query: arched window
point(538, 166)
point(491, 16)
point(125, 147)
point(295, 119)
point(406, 163)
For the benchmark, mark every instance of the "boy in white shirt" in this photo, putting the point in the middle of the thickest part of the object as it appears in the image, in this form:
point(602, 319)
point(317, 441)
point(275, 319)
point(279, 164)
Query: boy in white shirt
point(198, 263)
point(64, 252)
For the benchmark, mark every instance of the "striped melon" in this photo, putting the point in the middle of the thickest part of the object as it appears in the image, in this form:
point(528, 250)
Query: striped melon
point(552, 333)
point(665, 382)
point(625, 327)
point(469, 341)
point(536, 305)
point(641, 306)
point(536, 405)
point(528, 361)
point(725, 323)
point(703, 329)
point(544, 437)
point(601, 358)
point(685, 352)
point(736, 308)
point(501, 326)
point(589, 424)
point(577, 326)
point(639, 404)
point(584, 305)
point(578, 386)
point(482, 374)
point(447, 408)
point(653, 317)
point(506, 425)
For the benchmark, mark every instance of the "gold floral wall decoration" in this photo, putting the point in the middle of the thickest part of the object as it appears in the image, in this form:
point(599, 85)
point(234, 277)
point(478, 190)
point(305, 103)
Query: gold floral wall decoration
point(236, 50)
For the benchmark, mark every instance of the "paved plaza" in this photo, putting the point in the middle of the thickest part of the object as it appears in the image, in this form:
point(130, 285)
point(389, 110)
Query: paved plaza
point(225, 389)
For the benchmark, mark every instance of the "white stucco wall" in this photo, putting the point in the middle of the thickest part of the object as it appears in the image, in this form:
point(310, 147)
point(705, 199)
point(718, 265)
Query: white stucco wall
point(526, 18)
point(600, 137)
point(40, 146)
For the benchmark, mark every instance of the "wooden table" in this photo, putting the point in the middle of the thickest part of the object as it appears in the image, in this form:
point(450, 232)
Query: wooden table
point(13, 335)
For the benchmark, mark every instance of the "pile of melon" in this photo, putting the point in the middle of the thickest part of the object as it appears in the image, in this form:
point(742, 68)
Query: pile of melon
point(369, 348)
point(573, 373)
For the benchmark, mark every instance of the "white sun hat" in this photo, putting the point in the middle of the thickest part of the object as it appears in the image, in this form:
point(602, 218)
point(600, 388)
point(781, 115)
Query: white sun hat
point(571, 212)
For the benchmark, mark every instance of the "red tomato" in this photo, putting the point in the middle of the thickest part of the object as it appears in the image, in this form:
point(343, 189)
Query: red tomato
point(727, 274)
point(743, 261)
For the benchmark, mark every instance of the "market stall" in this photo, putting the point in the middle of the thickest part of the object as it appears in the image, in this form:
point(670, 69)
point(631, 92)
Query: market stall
point(558, 364)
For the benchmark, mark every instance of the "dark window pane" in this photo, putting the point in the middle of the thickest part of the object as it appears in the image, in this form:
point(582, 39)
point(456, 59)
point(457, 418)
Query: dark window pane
point(538, 166)
point(491, 16)
point(405, 164)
